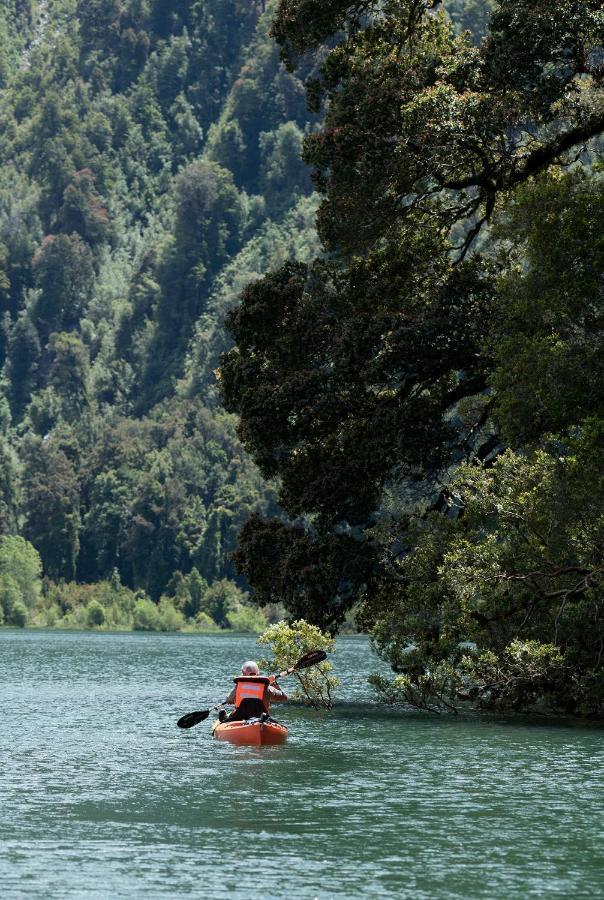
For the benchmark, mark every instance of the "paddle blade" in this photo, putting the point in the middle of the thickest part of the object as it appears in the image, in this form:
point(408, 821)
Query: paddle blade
point(310, 659)
point(193, 718)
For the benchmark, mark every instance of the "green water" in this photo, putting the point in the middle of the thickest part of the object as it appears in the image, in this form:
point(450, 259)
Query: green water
point(102, 796)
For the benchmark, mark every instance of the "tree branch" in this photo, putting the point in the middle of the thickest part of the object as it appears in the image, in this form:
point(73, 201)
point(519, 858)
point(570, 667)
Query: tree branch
point(492, 181)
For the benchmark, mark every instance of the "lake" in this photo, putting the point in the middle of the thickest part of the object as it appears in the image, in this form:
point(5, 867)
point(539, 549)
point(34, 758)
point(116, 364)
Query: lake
point(101, 796)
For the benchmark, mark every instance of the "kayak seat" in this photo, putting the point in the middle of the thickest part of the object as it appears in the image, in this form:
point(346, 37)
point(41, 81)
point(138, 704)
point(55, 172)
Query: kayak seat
point(249, 719)
point(250, 708)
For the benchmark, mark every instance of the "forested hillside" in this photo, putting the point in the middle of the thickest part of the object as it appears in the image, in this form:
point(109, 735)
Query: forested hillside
point(149, 168)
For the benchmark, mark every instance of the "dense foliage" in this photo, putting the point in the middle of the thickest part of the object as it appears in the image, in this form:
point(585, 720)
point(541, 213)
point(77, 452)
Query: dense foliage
point(149, 167)
point(458, 313)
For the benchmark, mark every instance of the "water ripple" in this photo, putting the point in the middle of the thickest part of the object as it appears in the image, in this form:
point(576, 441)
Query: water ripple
point(101, 796)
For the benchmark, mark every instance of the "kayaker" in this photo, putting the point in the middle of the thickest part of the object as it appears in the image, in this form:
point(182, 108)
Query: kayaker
point(252, 695)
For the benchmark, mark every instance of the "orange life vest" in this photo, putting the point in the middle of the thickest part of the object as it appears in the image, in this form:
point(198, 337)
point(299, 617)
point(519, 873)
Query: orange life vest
point(252, 687)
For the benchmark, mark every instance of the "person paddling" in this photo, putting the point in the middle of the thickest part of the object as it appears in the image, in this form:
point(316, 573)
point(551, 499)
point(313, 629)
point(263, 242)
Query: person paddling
point(263, 694)
point(252, 695)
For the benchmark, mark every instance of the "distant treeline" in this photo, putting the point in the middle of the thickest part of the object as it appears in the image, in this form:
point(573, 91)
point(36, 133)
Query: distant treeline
point(190, 604)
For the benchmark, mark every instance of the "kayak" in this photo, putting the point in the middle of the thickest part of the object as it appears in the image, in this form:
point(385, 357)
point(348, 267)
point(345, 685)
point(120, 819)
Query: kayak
point(252, 732)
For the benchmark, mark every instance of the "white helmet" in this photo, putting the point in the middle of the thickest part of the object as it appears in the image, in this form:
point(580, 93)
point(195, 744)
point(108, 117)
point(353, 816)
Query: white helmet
point(250, 668)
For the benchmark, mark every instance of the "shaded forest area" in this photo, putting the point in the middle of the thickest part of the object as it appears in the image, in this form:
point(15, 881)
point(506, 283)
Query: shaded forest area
point(438, 437)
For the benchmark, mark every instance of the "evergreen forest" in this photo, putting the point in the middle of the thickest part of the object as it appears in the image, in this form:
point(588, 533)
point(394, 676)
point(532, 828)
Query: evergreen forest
point(301, 312)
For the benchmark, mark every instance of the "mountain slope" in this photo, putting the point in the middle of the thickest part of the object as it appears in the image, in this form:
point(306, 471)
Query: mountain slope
point(150, 166)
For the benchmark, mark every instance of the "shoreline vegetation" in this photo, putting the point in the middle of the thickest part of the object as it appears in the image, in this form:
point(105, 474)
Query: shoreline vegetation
point(106, 607)
point(437, 437)
point(190, 605)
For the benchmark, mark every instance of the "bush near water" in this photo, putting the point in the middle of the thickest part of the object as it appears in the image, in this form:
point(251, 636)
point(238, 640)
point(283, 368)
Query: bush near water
point(288, 642)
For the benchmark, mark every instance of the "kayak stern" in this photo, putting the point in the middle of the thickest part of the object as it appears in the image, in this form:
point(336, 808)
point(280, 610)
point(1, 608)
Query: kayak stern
point(251, 733)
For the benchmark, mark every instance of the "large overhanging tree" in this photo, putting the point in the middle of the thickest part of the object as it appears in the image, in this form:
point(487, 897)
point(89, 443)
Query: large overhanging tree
point(350, 375)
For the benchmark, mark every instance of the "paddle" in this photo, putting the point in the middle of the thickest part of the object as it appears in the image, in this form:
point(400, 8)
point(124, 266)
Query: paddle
point(309, 659)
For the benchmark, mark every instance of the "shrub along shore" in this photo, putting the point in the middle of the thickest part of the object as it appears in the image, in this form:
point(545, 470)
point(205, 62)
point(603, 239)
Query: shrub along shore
point(190, 603)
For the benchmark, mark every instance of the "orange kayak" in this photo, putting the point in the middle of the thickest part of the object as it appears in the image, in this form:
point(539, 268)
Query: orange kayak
point(254, 733)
